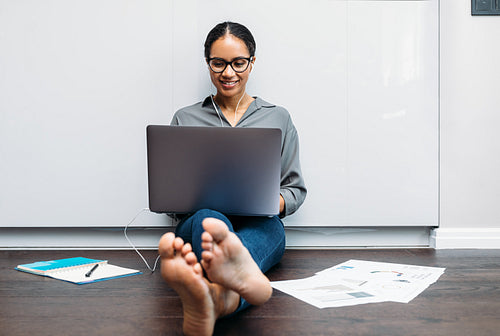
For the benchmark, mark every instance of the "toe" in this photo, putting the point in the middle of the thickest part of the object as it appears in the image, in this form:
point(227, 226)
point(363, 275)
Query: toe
point(186, 249)
point(207, 246)
point(216, 228)
point(178, 244)
point(197, 268)
point(206, 237)
point(190, 258)
point(207, 256)
point(165, 246)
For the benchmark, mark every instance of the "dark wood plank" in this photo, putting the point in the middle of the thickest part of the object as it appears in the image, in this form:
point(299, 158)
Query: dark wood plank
point(465, 300)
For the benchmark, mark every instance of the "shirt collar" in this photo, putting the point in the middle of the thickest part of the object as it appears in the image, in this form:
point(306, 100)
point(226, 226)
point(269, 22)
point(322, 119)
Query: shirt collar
point(207, 102)
point(259, 102)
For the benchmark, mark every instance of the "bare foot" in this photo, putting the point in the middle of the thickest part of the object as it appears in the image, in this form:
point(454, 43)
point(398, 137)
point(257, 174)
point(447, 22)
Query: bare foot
point(202, 302)
point(228, 263)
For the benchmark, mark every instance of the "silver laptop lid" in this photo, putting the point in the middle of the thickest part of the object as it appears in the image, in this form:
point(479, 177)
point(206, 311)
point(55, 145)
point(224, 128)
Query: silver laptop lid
point(233, 170)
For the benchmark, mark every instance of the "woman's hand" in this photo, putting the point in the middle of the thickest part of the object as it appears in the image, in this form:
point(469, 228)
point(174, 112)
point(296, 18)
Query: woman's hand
point(282, 204)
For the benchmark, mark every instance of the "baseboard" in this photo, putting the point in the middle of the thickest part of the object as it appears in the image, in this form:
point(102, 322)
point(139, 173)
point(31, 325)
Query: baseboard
point(297, 237)
point(357, 237)
point(464, 238)
point(147, 237)
point(75, 238)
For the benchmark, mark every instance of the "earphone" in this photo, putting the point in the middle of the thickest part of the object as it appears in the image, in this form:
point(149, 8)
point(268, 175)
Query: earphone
point(235, 110)
point(217, 110)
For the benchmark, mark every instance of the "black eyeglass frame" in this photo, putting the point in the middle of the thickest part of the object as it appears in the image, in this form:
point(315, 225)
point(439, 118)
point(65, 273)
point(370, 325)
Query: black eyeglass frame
point(249, 59)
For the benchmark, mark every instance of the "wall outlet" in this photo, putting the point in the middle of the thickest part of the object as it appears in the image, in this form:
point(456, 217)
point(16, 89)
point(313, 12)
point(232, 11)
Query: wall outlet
point(485, 7)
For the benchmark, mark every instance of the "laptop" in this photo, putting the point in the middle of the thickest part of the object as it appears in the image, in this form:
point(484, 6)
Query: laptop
point(232, 170)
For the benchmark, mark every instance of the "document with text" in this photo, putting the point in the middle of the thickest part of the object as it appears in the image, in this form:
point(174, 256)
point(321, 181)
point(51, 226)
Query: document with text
point(358, 282)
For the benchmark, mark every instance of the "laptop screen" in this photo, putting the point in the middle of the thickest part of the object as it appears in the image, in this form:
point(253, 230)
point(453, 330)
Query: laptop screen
point(232, 170)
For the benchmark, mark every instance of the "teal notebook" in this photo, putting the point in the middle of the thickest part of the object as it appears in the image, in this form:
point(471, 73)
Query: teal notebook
point(77, 270)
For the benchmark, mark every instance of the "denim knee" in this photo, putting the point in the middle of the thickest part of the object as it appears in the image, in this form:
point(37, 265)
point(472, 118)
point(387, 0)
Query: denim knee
point(200, 215)
point(190, 228)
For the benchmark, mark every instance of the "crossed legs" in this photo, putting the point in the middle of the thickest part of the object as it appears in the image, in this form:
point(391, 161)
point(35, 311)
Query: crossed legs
point(229, 267)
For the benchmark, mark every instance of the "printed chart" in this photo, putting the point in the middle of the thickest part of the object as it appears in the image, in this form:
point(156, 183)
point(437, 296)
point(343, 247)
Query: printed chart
point(358, 282)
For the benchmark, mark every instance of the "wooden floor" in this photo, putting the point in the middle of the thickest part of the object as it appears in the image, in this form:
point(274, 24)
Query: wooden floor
point(464, 301)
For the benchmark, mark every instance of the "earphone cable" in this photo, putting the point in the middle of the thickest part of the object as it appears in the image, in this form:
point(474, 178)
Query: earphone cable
point(133, 246)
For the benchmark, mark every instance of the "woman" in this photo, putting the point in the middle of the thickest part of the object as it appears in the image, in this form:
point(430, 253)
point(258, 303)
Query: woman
point(233, 252)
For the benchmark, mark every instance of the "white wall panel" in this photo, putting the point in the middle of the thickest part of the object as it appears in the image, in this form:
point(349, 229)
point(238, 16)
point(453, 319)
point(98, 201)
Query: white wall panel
point(392, 165)
point(81, 80)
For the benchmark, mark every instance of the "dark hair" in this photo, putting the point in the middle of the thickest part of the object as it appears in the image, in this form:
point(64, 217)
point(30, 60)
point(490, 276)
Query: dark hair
point(235, 29)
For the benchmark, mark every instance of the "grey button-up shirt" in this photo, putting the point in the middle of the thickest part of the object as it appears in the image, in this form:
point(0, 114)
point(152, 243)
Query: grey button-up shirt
point(264, 115)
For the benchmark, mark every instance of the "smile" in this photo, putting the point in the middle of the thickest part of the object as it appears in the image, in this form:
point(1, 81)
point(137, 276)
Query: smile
point(229, 83)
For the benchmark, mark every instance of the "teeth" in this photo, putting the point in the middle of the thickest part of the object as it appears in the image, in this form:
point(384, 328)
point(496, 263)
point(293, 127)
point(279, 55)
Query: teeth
point(228, 83)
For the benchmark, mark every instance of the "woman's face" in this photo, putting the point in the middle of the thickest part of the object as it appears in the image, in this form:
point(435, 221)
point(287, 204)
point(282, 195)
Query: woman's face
point(230, 83)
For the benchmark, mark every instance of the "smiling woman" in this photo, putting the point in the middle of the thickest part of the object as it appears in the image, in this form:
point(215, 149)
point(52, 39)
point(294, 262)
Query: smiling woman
point(230, 81)
point(216, 263)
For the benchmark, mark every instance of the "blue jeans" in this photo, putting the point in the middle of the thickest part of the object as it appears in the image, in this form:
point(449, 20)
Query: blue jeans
point(264, 237)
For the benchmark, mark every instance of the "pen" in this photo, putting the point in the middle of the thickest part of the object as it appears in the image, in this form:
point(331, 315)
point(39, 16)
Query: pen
point(92, 270)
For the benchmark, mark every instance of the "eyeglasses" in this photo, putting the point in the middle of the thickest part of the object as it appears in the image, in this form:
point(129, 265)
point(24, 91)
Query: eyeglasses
point(239, 64)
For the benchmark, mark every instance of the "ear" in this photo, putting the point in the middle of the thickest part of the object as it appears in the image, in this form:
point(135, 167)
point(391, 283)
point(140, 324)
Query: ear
point(252, 63)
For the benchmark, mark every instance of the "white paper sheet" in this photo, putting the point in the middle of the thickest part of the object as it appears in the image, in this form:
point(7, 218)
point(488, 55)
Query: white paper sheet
point(358, 282)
